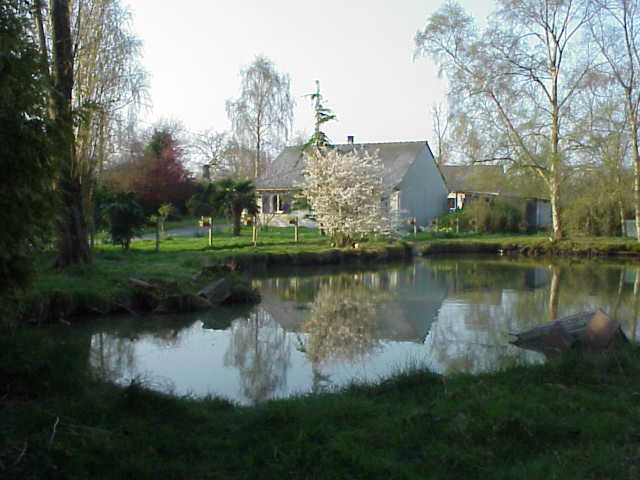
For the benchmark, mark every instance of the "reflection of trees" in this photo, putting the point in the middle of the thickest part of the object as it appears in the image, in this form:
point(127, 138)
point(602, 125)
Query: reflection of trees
point(111, 356)
point(259, 348)
point(554, 289)
point(636, 298)
point(113, 347)
point(342, 322)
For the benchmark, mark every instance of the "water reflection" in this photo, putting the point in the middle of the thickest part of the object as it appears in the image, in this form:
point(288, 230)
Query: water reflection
point(317, 329)
point(342, 323)
point(261, 350)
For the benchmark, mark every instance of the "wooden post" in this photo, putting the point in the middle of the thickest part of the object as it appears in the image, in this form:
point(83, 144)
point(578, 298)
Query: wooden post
point(157, 234)
point(210, 231)
point(415, 227)
point(254, 232)
point(458, 224)
point(295, 232)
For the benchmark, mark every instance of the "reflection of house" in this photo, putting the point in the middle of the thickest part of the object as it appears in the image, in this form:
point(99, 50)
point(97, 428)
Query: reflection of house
point(407, 300)
point(467, 183)
point(409, 169)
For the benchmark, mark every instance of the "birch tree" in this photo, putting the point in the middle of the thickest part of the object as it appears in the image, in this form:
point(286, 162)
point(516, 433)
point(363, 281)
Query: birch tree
point(515, 80)
point(616, 31)
point(262, 116)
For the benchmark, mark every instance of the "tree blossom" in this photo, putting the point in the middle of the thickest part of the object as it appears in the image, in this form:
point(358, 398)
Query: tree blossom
point(347, 193)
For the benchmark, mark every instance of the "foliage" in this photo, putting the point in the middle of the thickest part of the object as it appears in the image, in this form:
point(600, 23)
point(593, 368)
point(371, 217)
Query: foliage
point(225, 197)
point(347, 193)
point(484, 215)
point(300, 202)
point(498, 215)
point(102, 198)
point(26, 195)
point(126, 218)
point(162, 176)
point(163, 213)
point(261, 117)
point(322, 115)
point(594, 206)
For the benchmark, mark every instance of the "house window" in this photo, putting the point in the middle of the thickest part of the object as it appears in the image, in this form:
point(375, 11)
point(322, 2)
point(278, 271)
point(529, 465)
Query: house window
point(278, 204)
point(451, 204)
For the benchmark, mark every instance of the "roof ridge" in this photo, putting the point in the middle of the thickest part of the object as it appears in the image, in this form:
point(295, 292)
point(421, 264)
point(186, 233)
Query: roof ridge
point(368, 143)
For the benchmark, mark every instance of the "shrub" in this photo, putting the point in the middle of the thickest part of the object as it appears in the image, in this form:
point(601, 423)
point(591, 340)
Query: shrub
point(126, 218)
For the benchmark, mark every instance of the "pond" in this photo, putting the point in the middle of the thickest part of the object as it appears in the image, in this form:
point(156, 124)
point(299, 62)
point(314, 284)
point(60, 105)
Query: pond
point(321, 328)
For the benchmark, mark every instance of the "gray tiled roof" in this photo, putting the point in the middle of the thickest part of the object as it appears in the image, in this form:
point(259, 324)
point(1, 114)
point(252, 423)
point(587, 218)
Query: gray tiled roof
point(473, 178)
point(286, 170)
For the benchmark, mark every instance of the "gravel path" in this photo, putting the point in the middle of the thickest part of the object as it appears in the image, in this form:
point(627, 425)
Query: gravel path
point(189, 231)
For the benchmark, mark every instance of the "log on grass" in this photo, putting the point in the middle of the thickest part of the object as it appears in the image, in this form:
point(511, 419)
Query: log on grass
point(595, 330)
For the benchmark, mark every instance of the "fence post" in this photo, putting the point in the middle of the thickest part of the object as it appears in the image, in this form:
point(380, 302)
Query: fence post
point(157, 235)
point(254, 232)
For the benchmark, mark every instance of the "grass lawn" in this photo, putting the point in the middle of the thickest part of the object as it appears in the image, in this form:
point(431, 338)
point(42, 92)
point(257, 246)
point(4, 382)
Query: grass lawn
point(576, 417)
point(178, 260)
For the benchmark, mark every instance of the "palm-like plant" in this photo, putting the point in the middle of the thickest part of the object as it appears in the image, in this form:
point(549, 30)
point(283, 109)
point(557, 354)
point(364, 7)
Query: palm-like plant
point(226, 197)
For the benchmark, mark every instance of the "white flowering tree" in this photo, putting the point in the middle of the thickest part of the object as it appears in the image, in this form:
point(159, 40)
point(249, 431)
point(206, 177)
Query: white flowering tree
point(347, 193)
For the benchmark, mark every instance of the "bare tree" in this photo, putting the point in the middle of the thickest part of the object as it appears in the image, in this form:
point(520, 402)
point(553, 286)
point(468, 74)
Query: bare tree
point(262, 116)
point(211, 148)
point(440, 123)
point(616, 29)
point(516, 80)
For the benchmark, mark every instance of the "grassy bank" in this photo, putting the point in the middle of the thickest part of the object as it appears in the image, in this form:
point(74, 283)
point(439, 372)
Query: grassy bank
point(99, 287)
point(180, 258)
point(576, 417)
point(526, 245)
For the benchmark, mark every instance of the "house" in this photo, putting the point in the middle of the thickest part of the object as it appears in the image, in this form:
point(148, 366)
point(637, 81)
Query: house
point(409, 170)
point(467, 183)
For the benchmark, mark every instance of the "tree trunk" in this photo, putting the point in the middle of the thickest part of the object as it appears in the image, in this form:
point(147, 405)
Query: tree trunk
point(554, 181)
point(235, 217)
point(623, 225)
point(555, 209)
point(72, 243)
point(636, 166)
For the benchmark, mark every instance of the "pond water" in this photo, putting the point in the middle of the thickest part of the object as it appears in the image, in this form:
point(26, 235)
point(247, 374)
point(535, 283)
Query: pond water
point(320, 328)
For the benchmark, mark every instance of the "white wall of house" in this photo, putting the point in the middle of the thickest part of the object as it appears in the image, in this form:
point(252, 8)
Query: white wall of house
point(423, 193)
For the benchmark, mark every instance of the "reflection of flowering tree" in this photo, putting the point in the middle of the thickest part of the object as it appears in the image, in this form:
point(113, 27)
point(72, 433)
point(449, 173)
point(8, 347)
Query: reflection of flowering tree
point(260, 350)
point(342, 323)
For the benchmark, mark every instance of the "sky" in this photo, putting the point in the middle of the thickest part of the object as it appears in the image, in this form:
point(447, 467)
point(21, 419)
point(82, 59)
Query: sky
point(361, 51)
